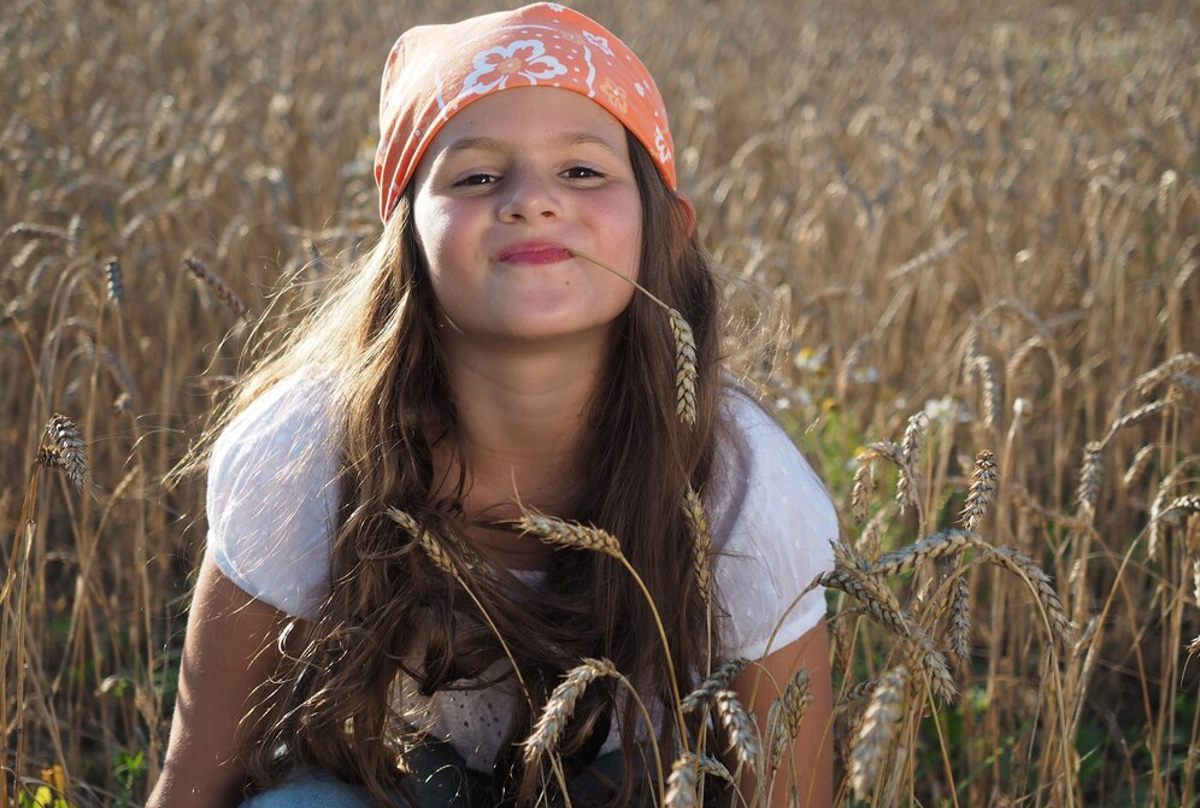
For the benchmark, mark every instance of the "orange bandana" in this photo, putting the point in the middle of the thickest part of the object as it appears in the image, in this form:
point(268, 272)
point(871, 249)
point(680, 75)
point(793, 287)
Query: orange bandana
point(434, 71)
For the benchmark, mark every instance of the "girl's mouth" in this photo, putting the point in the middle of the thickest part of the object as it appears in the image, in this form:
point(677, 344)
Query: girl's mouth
point(533, 252)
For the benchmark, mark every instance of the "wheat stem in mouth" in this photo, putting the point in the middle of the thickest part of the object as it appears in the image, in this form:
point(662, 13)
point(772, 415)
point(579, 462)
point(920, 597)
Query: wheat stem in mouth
point(685, 346)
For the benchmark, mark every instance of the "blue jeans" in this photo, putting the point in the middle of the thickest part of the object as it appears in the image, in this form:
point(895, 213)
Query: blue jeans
point(440, 779)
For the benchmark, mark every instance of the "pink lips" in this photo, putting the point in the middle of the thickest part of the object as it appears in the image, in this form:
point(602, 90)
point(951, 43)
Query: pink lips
point(533, 252)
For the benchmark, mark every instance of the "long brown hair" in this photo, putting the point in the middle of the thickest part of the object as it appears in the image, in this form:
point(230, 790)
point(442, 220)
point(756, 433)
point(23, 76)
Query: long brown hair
point(375, 341)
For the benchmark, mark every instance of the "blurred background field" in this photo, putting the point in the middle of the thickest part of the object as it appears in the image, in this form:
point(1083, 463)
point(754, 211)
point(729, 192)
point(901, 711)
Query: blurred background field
point(986, 213)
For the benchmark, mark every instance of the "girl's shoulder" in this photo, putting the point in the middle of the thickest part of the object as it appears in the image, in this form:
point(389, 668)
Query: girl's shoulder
point(772, 521)
point(272, 493)
point(757, 459)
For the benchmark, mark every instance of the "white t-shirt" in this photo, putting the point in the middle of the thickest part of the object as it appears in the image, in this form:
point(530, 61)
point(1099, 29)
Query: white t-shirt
point(272, 497)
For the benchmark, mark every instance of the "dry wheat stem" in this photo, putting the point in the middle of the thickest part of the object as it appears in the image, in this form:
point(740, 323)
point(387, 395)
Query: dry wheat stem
point(879, 726)
point(561, 706)
point(928, 257)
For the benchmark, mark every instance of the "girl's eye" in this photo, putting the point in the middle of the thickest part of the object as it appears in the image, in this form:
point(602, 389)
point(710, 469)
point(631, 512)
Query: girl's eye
point(476, 179)
point(582, 173)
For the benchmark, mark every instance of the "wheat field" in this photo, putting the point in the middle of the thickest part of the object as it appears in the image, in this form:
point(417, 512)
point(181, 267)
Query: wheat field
point(966, 233)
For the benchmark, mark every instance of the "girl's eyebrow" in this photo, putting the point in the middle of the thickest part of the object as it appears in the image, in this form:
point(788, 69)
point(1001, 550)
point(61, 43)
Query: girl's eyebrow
point(558, 141)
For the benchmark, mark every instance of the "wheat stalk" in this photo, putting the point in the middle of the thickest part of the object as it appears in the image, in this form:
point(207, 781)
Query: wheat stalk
point(685, 368)
point(1140, 414)
point(1139, 465)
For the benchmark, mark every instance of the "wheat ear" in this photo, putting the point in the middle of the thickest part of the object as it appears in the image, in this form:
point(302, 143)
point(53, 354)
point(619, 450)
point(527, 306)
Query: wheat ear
point(682, 783)
point(719, 680)
point(741, 729)
point(788, 712)
point(572, 535)
point(983, 490)
point(878, 728)
point(561, 706)
point(218, 287)
point(62, 447)
point(697, 522)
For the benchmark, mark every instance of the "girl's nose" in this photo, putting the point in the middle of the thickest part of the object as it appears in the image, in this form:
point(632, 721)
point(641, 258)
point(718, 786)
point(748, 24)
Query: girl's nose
point(528, 198)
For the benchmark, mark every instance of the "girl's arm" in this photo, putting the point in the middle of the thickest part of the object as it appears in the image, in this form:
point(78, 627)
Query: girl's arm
point(809, 767)
point(230, 650)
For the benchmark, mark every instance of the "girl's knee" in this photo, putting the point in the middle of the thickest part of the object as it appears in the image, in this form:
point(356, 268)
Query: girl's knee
point(315, 790)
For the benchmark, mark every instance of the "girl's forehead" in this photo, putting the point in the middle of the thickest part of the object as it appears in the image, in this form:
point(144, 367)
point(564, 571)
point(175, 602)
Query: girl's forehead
point(530, 117)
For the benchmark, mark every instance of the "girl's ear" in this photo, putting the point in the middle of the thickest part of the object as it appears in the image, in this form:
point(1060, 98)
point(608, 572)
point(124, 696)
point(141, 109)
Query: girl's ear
point(689, 213)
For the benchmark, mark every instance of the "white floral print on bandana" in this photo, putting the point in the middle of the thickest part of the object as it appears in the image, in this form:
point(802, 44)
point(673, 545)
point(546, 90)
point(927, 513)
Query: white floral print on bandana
point(524, 57)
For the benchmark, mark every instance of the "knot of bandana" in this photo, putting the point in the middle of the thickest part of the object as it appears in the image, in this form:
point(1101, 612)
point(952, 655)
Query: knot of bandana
point(434, 71)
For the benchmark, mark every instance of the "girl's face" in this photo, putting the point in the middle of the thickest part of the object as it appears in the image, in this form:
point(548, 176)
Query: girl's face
point(509, 185)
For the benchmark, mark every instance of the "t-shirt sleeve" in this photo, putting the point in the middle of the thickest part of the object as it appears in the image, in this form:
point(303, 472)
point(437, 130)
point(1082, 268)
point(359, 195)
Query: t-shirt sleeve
point(772, 532)
point(272, 497)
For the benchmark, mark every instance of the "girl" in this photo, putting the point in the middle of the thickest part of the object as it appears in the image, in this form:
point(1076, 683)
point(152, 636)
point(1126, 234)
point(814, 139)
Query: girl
point(450, 487)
